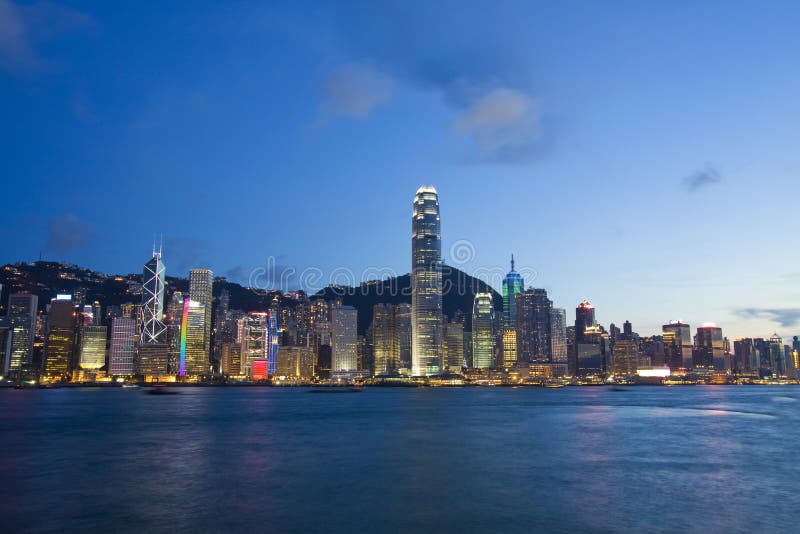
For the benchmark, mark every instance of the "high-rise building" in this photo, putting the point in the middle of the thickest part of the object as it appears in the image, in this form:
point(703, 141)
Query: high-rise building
point(153, 328)
point(258, 337)
point(386, 355)
point(122, 351)
point(194, 353)
point(512, 285)
point(625, 357)
point(708, 348)
point(558, 335)
point(153, 361)
point(59, 344)
point(201, 285)
point(588, 357)
point(426, 284)
point(777, 356)
point(296, 362)
point(344, 334)
point(92, 347)
point(21, 315)
point(508, 342)
point(454, 346)
point(483, 331)
point(677, 345)
point(533, 326)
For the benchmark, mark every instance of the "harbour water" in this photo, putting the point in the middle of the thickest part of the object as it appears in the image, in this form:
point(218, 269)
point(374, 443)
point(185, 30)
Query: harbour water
point(656, 459)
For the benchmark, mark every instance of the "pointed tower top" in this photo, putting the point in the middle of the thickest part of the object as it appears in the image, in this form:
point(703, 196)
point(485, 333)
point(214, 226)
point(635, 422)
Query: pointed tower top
point(512, 262)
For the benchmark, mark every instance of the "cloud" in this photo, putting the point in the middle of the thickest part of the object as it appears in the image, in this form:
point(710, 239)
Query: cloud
point(354, 90)
point(22, 26)
point(702, 178)
point(67, 233)
point(785, 317)
point(503, 123)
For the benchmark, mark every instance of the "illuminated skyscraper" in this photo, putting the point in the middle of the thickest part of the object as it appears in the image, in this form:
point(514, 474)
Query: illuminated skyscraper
point(152, 330)
point(625, 357)
point(426, 284)
point(201, 284)
point(122, 351)
point(92, 347)
point(22, 323)
point(258, 337)
point(677, 345)
point(533, 326)
point(512, 285)
point(387, 360)
point(454, 346)
point(777, 355)
point(483, 331)
point(708, 348)
point(194, 353)
point(60, 338)
point(588, 356)
point(344, 333)
point(401, 337)
point(558, 335)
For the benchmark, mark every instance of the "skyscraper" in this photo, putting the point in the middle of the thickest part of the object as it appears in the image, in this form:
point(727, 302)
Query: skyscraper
point(60, 338)
point(483, 331)
point(386, 359)
point(512, 285)
point(22, 322)
point(708, 347)
point(201, 284)
point(153, 327)
point(258, 337)
point(777, 355)
point(454, 346)
point(588, 356)
point(426, 284)
point(558, 335)
point(194, 353)
point(677, 345)
point(92, 347)
point(122, 351)
point(533, 326)
point(344, 333)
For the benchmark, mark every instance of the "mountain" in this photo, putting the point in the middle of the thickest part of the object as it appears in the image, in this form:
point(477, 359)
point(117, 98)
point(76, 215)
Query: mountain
point(458, 291)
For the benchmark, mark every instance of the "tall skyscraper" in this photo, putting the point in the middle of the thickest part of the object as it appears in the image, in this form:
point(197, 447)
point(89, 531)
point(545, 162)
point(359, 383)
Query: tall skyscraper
point(193, 353)
point(454, 346)
point(533, 326)
point(344, 330)
point(201, 285)
point(483, 331)
point(426, 284)
point(153, 328)
point(708, 347)
point(558, 335)
point(60, 338)
point(122, 351)
point(588, 356)
point(677, 345)
point(625, 357)
point(777, 355)
point(512, 285)
point(387, 360)
point(402, 335)
point(92, 347)
point(258, 337)
point(22, 323)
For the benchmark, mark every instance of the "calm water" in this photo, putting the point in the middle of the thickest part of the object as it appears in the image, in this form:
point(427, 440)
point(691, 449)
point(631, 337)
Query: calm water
point(711, 459)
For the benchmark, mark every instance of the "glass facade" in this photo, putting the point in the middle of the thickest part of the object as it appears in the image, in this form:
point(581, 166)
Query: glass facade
point(483, 337)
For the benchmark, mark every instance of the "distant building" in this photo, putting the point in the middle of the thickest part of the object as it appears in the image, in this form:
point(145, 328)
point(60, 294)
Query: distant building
point(677, 345)
point(483, 331)
point(533, 326)
point(122, 350)
point(194, 360)
point(59, 344)
point(512, 285)
point(201, 285)
point(258, 337)
point(21, 315)
point(454, 346)
point(708, 348)
point(153, 361)
point(777, 356)
point(296, 362)
point(92, 347)
point(588, 357)
point(558, 335)
point(625, 357)
point(153, 329)
point(344, 330)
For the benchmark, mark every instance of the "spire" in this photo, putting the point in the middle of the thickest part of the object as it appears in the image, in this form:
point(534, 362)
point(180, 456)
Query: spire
point(512, 262)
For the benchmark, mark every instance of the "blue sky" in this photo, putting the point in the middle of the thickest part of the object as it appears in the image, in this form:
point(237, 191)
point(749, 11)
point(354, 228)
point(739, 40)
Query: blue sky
point(642, 155)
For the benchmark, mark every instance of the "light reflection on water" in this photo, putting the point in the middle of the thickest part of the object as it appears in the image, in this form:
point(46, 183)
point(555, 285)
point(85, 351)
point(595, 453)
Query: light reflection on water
point(574, 459)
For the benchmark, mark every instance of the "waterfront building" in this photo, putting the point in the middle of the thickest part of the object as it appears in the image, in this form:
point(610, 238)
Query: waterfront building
point(194, 360)
point(344, 335)
point(534, 310)
point(426, 284)
point(777, 356)
point(92, 355)
point(708, 348)
point(122, 350)
point(588, 354)
point(21, 317)
point(508, 344)
point(677, 345)
point(60, 339)
point(483, 337)
point(454, 346)
point(512, 286)
point(201, 285)
point(558, 335)
point(153, 328)
point(258, 337)
point(296, 362)
point(153, 362)
point(625, 357)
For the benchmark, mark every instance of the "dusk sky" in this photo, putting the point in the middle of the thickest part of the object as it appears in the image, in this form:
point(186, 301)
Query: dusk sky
point(642, 155)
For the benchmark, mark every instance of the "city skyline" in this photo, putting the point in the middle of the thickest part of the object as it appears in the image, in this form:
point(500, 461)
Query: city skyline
point(596, 143)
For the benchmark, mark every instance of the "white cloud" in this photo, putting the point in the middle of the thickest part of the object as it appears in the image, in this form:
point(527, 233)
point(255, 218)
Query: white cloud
point(354, 91)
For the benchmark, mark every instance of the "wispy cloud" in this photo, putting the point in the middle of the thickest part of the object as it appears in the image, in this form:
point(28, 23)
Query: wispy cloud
point(354, 90)
point(22, 26)
point(67, 233)
point(701, 179)
point(785, 317)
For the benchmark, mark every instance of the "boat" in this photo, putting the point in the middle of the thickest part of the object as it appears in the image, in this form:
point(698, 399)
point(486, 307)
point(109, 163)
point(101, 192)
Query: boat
point(553, 385)
point(129, 385)
point(160, 390)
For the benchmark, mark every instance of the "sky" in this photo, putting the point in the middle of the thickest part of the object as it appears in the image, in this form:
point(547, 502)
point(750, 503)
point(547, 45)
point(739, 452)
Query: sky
point(641, 155)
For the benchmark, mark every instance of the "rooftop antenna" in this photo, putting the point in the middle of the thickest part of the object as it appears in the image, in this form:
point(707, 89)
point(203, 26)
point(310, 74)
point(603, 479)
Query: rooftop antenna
point(512, 261)
point(161, 244)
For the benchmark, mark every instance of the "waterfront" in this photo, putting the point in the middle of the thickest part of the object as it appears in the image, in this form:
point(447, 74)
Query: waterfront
point(391, 459)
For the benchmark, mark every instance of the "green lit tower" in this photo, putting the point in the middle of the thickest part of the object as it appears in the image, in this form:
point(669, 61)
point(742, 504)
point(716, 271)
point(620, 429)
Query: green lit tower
point(512, 286)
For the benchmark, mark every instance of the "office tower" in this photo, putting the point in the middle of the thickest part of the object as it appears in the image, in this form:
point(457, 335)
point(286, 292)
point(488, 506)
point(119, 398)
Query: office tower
point(512, 285)
point(344, 333)
point(402, 335)
point(387, 358)
point(558, 335)
point(708, 349)
point(627, 330)
point(230, 359)
point(454, 346)
point(483, 331)
point(744, 356)
point(201, 284)
point(426, 284)
point(21, 314)
point(258, 337)
point(508, 345)
point(793, 367)
point(677, 345)
point(152, 329)
point(588, 356)
point(296, 362)
point(175, 309)
point(60, 338)
point(625, 357)
point(193, 353)
point(92, 355)
point(122, 352)
point(153, 361)
point(324, 362)
point(777, 356)
point(533, 326)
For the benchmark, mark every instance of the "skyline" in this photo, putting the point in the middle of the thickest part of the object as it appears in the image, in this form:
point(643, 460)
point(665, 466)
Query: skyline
point(631, 169)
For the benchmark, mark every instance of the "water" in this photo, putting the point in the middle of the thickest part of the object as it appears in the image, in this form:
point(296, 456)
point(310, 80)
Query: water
point(442, 460)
